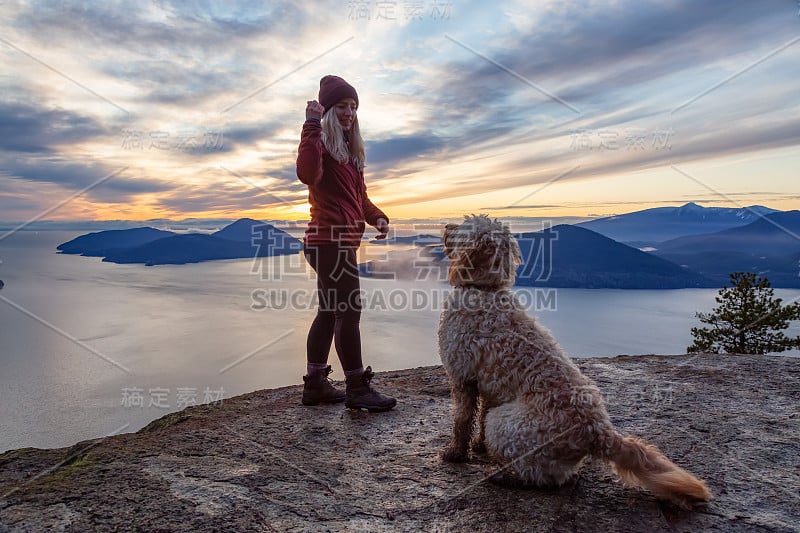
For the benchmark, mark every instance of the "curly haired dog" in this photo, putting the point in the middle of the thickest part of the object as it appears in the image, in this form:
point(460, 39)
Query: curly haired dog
point(537, 413)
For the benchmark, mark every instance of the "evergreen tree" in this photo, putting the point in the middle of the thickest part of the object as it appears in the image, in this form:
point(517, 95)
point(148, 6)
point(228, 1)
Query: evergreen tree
point(749, 320)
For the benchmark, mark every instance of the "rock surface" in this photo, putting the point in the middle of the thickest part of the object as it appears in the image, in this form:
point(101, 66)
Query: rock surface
point(262, 462)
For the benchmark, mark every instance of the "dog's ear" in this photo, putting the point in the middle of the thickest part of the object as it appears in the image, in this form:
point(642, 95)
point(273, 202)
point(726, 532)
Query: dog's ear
point(516, 255)
point(448, 239)
point(513, 247)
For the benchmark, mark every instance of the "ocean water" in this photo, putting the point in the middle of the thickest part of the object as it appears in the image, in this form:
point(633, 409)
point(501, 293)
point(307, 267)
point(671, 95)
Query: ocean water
point(90, 348)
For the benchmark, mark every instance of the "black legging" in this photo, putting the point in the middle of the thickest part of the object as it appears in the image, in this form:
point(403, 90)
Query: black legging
point(339, 311)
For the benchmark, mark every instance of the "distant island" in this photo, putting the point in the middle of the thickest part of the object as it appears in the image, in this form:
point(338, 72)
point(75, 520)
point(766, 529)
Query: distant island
point(245, 238)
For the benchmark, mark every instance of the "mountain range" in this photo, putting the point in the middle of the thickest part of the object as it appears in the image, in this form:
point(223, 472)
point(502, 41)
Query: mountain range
point(705, 246)
point(242, 239)
point(649, 226)
point(770, 247)
point(777, 232)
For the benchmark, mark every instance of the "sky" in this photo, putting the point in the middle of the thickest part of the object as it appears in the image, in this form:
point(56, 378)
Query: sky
point(193, 110)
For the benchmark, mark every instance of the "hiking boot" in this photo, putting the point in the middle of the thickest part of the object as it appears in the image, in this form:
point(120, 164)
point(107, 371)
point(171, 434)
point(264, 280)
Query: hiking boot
point(318, 389)
point(360, 395)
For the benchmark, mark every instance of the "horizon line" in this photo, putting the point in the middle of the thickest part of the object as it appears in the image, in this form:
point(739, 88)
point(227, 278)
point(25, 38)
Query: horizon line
point(51, 224)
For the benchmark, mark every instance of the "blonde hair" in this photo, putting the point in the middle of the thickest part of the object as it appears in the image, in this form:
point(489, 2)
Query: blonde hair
point(333, 137)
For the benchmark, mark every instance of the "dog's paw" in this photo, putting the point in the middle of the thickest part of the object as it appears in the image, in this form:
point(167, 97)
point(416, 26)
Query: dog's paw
point(478, 446)
point(509, 480)
point(452, 455)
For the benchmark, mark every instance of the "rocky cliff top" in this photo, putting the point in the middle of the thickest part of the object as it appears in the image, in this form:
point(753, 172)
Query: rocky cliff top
point(263, 462)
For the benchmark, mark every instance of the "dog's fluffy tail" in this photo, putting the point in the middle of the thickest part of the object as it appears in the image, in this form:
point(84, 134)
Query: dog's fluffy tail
point(640, 464)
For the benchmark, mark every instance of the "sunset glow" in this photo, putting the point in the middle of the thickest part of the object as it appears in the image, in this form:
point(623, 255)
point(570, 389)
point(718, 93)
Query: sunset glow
point(516, 109)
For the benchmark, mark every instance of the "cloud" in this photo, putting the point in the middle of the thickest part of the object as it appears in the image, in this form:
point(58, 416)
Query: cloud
point(542, 206)
point(27, 128)
point(288, 175)
point(174, 81)
point(227, 197)
point(247, 133)
point(73, 176)
point(604, 59)
point(588, 50)
point(383, 153)
point(160, 27)
point(16, 202)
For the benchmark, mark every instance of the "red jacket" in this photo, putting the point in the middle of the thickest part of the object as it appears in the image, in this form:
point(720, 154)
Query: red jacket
point(337, 193)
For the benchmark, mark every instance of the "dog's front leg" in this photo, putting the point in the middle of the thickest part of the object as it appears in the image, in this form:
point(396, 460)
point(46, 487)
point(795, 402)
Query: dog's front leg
point(465, 401)
point(478, 443)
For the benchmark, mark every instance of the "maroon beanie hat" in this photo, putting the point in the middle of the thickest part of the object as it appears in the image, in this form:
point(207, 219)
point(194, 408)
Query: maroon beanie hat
point(332, 89)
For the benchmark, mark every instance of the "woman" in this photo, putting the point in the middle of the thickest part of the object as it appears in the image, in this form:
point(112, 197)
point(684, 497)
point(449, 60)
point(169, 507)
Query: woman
point(330, 160)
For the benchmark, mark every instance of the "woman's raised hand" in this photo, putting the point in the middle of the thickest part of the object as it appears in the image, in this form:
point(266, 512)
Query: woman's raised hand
point(314, 110)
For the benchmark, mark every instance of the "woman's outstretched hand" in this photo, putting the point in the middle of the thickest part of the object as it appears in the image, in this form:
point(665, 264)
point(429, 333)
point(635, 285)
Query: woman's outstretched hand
point(314, 110)
point(382, 226)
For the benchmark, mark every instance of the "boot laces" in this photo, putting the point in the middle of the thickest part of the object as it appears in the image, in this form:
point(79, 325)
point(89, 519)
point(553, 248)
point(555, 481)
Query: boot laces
point(367, 375)
point(327, 372)
point(321, 375)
